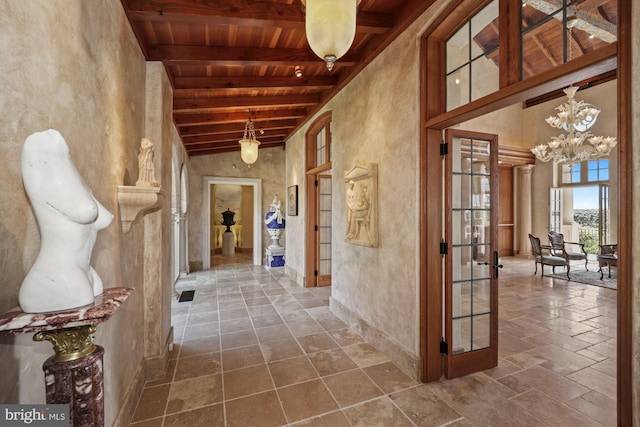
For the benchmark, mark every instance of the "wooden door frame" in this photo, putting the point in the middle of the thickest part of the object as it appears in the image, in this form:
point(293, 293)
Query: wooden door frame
point(256, 183)
point(614, 57)
point(311, 199)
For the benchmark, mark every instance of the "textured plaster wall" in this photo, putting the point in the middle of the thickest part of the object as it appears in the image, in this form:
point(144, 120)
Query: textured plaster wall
point(269, 167)
point(506, 123)
point(295, 238)
point(179, 202)
point(159, 129)
point(375, 119)
point(74, 66)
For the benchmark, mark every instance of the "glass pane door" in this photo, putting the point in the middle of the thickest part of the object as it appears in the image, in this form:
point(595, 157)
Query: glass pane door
point(324, 230)
point(472, 262)
point(605, 215)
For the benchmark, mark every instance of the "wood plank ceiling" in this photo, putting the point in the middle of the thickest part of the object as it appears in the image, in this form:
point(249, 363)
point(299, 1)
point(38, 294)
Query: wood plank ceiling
point(226, 57)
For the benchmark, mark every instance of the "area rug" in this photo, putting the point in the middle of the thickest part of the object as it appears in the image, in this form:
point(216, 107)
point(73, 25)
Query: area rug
point(591, 277)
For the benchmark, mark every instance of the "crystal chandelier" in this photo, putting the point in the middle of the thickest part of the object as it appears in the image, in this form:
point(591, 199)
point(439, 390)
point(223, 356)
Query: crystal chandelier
point(249, 143)
point(330, 26)
point(575, 117)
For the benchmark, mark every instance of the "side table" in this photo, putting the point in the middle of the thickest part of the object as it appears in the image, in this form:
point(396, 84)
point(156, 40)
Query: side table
point(73, 375)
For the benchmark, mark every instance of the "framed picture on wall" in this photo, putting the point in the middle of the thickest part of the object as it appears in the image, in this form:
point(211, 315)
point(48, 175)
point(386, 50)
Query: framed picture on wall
point(292, 200)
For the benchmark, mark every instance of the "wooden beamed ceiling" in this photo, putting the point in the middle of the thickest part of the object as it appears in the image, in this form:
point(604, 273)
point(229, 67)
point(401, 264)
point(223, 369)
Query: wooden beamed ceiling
point(226, 57)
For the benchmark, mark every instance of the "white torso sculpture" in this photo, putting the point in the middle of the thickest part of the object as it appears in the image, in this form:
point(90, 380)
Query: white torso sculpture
point(69, 218)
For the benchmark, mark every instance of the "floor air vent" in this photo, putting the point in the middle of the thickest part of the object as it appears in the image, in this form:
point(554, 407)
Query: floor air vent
point(186, 296)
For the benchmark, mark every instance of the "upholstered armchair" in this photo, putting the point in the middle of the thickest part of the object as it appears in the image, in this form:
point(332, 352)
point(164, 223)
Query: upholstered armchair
point(559, 247)
point(607, 258)
point(543, 256)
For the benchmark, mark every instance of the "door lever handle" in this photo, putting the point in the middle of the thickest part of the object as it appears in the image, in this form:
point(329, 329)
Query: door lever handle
point(496, 266)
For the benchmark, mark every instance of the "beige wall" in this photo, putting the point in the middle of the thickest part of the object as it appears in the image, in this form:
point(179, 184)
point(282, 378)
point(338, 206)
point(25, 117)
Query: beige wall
point(75, 66)
point(269, 167)
point(295, 240)
point(375, 119)
point(247, 216)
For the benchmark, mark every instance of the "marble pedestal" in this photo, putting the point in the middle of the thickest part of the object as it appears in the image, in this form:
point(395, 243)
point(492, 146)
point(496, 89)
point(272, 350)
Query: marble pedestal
point(80, 384)
point(228, 243)
point(73, 375)
point(274, 257)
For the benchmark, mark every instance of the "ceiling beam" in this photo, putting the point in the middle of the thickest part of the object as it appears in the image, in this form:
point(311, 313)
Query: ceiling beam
point(239, 56)
point(546, 50)
point(181, 105)
point(584, 20)
point(239, 116)
point(203, 151)
point(236, 127)
point(242, 13)
point(231, 142)
point(254, 83)
point(236, 135)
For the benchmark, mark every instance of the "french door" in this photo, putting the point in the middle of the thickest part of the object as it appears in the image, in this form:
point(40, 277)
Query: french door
point(323, 231)
point(471, 259)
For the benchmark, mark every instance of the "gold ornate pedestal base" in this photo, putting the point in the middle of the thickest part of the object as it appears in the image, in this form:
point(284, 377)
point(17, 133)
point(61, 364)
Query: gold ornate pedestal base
point(71, 343)
point(73, 375)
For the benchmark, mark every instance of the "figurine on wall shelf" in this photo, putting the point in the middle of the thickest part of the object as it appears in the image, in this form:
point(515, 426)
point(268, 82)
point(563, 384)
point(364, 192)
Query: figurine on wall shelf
point(69, 218)
point(146, 168)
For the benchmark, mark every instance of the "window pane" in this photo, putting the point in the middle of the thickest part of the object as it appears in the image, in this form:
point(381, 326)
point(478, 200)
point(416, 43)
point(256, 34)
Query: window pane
point(458, 88)
point(555, 32)
point(320, 148)
point(542, 45)
point(458, 49)
point(575, 174)
point(481, 327)
point(533, 13)
point(566, 174)
point(484, 30)
point(328, 148)
point(472, 55)
point(461, 295)
point(485, 78)
point(461, 335)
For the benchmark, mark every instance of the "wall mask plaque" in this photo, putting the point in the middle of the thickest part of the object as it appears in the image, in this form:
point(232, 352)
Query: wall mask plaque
point(362, 204)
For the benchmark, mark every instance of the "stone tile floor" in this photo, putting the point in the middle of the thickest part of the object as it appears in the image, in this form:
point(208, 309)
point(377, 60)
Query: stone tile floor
point(255, 349)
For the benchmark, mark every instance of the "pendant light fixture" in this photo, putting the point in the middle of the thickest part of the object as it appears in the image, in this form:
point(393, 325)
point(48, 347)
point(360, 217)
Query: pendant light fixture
point(330, 27)
point(249, 144)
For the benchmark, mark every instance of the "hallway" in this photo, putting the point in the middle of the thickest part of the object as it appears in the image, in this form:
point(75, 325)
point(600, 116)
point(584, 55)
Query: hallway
point(255, 349)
